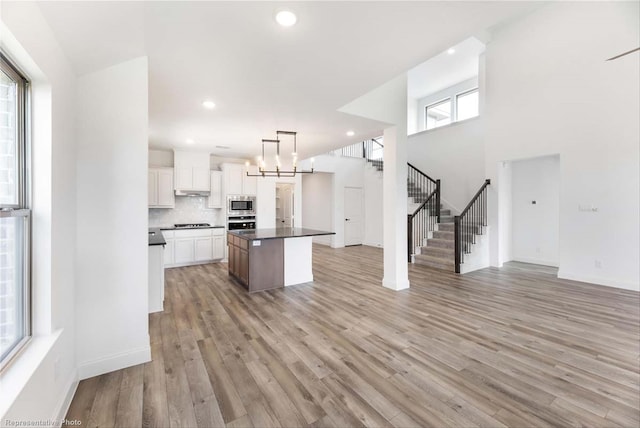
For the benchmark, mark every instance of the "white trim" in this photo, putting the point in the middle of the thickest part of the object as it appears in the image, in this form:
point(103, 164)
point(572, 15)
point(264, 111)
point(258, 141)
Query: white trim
point(114, 362)
point(65, 402)
point(203, 262)
point(535, 261)
point(458, 122)
point(16, 376)
point(607, 282)
point(394, 285)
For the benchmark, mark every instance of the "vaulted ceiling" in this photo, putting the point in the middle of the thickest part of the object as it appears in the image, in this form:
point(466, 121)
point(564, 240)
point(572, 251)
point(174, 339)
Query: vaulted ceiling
point(262, 76)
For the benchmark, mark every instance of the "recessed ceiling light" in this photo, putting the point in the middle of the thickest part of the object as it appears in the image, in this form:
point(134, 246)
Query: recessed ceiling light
point(350, 133)
point(223, 147)
point(189, 141)
point(208, 104)
point(451, 51)
point(286, 18)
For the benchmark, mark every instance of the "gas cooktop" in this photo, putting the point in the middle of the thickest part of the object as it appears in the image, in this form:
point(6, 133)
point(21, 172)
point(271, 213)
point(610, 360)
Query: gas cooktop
point(190, 225)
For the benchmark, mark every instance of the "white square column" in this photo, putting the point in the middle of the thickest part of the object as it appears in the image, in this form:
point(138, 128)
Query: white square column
point(396, 269)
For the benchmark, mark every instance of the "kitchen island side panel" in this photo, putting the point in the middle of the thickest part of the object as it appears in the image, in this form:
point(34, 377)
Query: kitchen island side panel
point(298, 260)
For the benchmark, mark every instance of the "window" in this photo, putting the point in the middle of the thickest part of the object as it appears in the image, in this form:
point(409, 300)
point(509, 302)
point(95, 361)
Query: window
point(439, 114)
point(15, 316)
point(467, 104)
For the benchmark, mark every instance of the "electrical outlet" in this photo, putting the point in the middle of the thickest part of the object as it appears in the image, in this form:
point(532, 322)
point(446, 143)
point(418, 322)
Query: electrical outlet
point(598, 264)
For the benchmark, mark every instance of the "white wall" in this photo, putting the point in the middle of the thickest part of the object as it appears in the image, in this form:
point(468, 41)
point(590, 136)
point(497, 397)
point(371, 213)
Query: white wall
point(317, 204)
point(164, 158)
point(536, 227)
point(549, 89)
point(40, 382)
point(373, 212)
point(266, 200)
point(455, 155)
point(112, 241)
point(449, 92)
point(345, 172)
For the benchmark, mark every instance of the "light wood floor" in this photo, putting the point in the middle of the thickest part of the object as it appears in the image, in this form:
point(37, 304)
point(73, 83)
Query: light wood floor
point(498, 347)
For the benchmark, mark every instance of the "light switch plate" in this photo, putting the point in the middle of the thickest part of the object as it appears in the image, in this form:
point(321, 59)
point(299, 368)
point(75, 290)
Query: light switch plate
point(256, 243)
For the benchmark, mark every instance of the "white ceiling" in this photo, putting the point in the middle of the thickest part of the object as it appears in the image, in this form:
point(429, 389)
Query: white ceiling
point(261, 76)
point(445, 70)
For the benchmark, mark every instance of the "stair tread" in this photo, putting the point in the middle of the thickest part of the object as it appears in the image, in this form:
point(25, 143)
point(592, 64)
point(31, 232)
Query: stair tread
point(432, 259)
point(437, 251)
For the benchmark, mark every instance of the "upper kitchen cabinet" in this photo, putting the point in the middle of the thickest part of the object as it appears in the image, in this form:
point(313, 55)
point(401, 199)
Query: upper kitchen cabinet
point(236, 181)
point(161, 188)
point(191, 171)
point(215, 197)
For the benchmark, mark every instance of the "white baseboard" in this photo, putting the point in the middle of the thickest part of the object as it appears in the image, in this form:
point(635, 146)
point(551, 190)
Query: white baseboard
point(615, 283)
point(395, 285)
point(535, 261)
point(65, 400)
point(114, 362)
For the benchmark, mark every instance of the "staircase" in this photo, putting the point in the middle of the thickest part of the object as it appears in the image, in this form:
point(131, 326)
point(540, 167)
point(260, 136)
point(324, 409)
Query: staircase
point(439, 249)
point(435, 237)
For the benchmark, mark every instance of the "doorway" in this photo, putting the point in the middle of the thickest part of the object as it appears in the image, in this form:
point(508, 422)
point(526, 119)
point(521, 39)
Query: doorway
point(285, 216)
point(353, 218)
point(535, 210)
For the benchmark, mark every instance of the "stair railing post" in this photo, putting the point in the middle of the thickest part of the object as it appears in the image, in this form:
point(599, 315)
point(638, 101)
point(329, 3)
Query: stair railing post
point(409, 236)
point(438, 199)
point(456, 230)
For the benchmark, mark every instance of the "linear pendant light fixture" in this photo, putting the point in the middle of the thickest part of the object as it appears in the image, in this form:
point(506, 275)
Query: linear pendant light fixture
point(278, 172)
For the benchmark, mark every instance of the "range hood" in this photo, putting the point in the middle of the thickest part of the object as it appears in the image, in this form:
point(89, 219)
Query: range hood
point(192, 193)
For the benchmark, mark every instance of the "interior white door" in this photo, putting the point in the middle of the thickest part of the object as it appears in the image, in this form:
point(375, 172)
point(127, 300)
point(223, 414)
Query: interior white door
point(353, 218)
point(287, 206)
point(284, 205)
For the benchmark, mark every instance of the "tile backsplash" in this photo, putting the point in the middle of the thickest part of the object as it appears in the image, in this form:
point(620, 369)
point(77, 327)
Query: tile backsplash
point(189, 209)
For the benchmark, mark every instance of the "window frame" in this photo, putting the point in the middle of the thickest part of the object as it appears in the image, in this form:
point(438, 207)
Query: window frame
point(463, 93)
point(426, 112)
point(23, 207)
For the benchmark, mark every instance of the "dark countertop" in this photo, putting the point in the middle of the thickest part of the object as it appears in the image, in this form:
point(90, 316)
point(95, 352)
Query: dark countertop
point(155, 236)
point(279, 233)
point(189, 228)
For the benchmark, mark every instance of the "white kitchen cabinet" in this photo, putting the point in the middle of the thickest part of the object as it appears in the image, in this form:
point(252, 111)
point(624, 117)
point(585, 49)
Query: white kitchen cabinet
point(184, 250)
point(232, 178)
point(166, 195)
point(218, 247)
point(161, 188)
point(156, 278)
point(236, 181)
point(191, 171)
point(168, 252)
point(184, 178)
point(203, 249)
point(193, 246)
point(215, 197)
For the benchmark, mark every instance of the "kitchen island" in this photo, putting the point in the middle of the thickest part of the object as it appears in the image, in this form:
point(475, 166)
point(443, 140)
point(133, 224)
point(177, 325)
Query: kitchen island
point(263, 259)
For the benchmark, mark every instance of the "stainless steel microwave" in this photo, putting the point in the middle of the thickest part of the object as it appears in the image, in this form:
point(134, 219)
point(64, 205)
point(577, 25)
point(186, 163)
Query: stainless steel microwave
point(241, 205)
